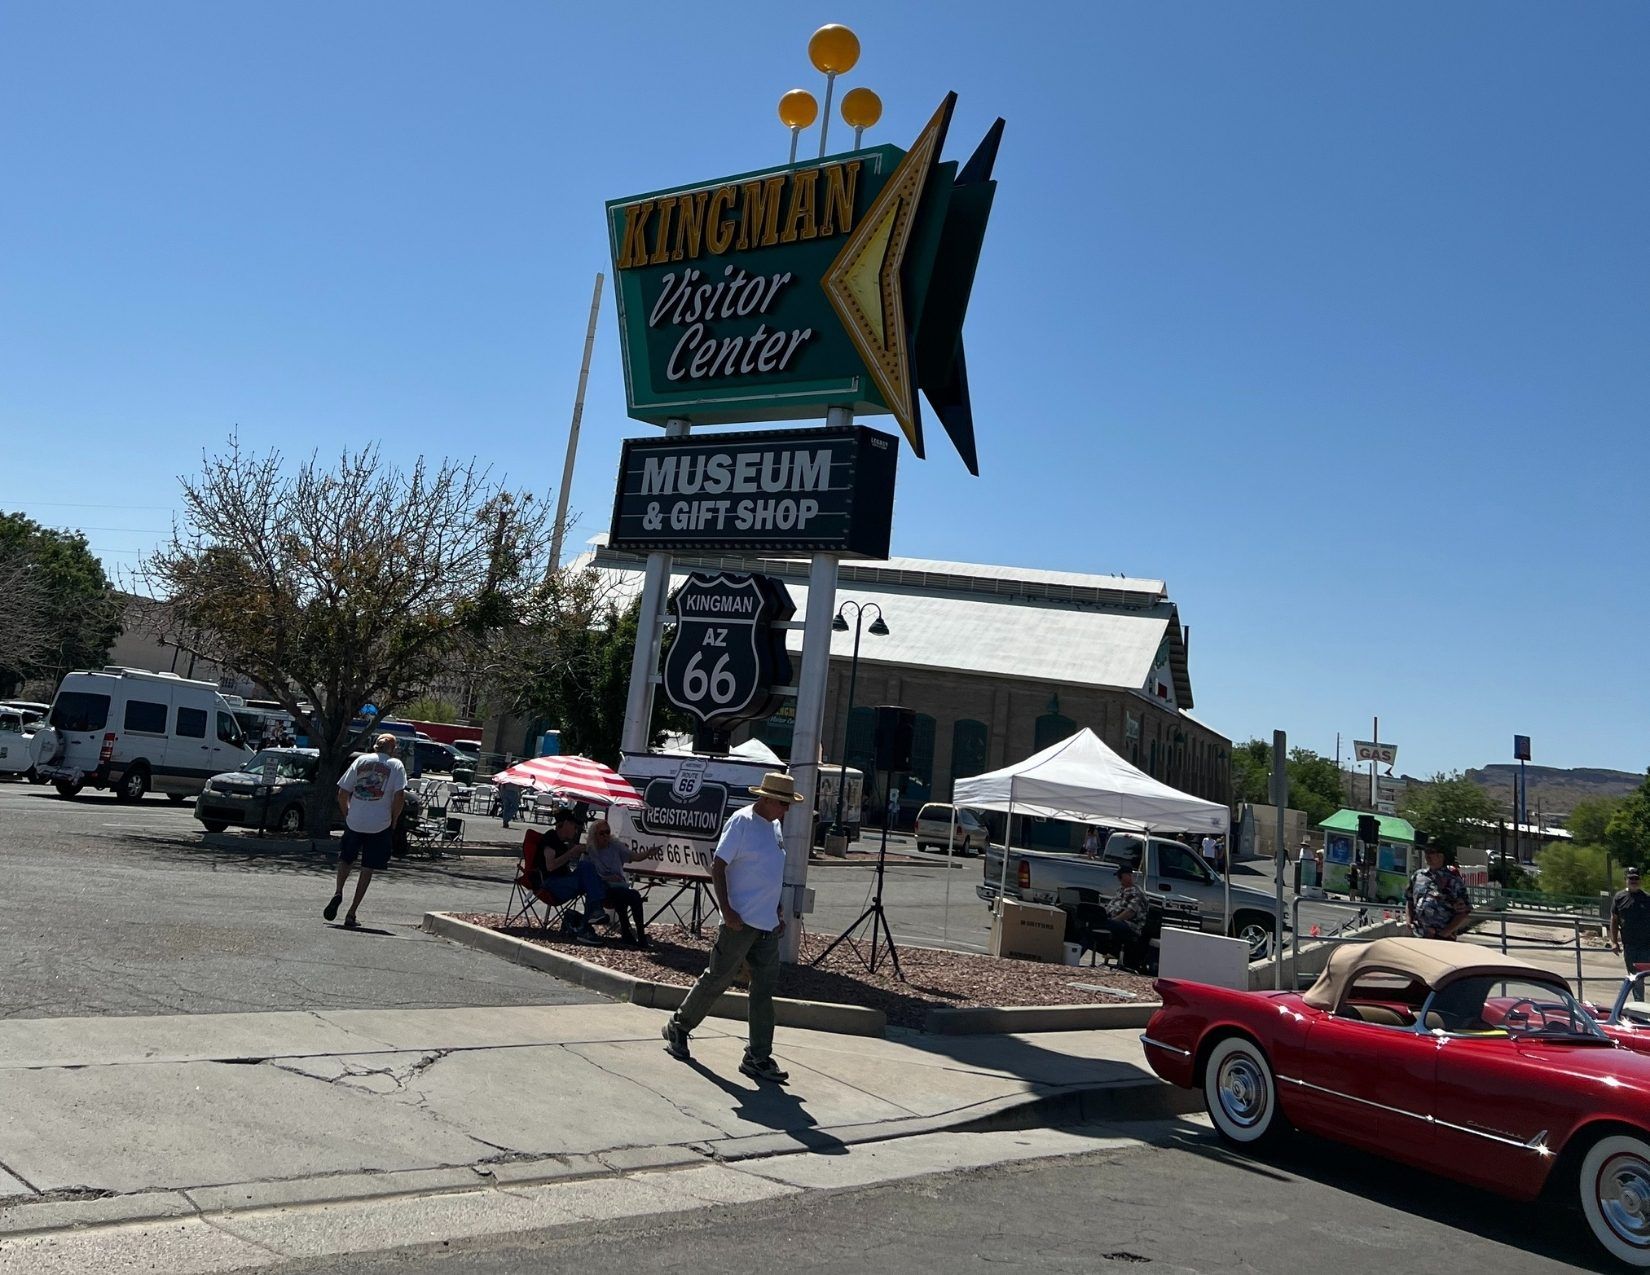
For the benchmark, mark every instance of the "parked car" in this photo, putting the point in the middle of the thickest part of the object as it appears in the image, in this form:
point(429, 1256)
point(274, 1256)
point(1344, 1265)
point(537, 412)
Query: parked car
point(134, 732)
point(1162, 868)
point(1455, 1059)
point(934, 828)
point(270, 791)
point(17, 742)
point(434, 757)
point(29, 708)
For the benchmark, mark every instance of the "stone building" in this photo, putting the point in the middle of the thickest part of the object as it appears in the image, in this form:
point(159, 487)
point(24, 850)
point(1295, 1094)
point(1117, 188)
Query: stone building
point(997, 663)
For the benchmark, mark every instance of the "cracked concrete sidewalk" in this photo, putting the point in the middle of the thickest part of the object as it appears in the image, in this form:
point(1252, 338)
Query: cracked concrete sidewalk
point(113, 1119)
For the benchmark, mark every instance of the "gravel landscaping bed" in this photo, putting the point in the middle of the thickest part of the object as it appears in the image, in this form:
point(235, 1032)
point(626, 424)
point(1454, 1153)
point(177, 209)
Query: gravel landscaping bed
point(934, 979)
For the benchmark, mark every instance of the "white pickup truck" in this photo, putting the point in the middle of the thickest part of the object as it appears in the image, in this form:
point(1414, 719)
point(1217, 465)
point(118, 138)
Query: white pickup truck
point(1163, 869)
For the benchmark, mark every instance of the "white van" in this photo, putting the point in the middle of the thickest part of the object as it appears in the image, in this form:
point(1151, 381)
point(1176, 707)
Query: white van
point(135, 732)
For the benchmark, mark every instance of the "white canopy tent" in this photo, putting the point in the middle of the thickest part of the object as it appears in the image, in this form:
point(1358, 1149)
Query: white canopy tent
point(1082, 780)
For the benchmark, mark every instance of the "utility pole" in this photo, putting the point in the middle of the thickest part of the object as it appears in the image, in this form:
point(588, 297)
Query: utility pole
point(573, 431)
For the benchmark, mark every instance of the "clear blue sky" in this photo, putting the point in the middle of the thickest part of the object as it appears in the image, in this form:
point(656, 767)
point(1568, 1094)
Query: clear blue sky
point(1335, 317)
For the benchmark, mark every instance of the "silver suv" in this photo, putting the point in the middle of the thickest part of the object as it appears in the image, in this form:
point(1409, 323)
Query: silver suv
point(934, 829)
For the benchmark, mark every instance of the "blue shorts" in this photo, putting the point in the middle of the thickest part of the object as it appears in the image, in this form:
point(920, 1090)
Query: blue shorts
point(373, 847)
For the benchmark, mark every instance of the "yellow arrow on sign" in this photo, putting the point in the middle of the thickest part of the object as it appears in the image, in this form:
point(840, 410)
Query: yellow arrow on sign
point(863, 283)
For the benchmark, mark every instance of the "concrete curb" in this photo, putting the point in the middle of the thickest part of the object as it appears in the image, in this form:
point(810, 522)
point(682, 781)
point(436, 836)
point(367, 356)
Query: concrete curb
point(1146, 1099)
point(846, 1020)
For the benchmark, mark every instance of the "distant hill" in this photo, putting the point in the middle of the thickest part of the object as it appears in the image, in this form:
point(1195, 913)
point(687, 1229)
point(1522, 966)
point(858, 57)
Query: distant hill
point(1555, 791)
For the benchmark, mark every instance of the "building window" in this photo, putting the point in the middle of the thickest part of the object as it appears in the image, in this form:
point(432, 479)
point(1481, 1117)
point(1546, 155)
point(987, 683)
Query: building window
point(970, 748)
point(1051, 728)
point(919, 783)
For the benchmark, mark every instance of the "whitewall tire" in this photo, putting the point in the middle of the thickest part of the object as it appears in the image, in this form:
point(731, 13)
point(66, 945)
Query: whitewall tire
point(1614, 1186)
point(1241, 1093)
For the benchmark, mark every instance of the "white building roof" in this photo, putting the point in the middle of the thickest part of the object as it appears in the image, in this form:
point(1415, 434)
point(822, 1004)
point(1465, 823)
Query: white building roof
point(1000, 633)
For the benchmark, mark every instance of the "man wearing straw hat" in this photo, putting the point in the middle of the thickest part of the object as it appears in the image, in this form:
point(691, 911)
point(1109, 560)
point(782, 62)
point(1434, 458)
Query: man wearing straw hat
point(748, 875)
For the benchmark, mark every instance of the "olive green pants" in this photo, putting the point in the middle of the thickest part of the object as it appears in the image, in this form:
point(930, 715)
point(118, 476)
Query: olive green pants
point(761, 949)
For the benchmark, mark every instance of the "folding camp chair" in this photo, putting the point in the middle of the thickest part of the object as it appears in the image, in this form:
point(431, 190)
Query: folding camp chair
point(532, 904)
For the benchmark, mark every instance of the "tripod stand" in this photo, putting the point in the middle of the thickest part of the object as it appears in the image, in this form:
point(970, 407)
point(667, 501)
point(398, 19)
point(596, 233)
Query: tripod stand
point(875, 914)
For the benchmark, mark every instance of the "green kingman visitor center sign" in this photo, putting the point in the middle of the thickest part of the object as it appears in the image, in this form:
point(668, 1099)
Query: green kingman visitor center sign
point(776, 294)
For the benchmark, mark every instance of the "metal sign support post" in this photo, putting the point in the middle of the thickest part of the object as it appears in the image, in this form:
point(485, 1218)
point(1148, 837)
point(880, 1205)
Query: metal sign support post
point(805, 743)
point(1280, 795)
point(807, 734)
point(644, 662)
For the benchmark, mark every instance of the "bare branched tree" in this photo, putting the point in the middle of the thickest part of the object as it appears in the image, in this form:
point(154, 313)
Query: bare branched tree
point(26, 630)
point(340, 587)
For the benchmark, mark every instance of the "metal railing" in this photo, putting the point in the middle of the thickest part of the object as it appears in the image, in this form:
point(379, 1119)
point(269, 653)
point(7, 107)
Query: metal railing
point(1488, 898)
point(1491, 931)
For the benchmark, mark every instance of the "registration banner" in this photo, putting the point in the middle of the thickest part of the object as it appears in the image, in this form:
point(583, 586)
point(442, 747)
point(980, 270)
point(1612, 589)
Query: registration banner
point(685, 801)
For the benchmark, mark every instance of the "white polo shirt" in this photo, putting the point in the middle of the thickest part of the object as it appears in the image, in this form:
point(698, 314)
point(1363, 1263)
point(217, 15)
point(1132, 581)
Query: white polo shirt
point(755, 856)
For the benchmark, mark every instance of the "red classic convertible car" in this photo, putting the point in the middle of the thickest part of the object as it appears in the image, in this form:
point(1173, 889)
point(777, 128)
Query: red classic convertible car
point(1454, 1058)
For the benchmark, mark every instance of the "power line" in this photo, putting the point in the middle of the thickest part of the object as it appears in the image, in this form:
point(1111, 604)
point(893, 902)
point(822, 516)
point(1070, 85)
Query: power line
point(81, 504)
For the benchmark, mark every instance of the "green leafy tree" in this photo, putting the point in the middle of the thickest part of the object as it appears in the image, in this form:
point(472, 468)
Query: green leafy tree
point(1590, 818)
point(58, 610)
point(1450, 809)
point(1627, 834)
point(1252, 772)
point(1314, 784)
point(1575, 869)
point(1314, 780)
point(567, 665)
point(342, 586)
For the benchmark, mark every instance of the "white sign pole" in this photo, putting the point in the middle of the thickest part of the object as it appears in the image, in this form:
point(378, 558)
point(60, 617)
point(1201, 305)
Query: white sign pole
point(808, 730)
point(805, 743)
point(644, 662)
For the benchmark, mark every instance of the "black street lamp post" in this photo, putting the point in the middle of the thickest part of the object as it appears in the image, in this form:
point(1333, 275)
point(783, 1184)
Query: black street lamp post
point(840, 625)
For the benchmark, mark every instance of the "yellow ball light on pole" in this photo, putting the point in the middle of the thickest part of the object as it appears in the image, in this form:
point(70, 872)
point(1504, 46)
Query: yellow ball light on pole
point(797, 110)
point(832, 49)
point(861, 108)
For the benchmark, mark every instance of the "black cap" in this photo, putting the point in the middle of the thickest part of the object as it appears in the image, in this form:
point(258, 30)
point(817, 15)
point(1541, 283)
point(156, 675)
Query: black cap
point(1632, 874)
point(567, 814)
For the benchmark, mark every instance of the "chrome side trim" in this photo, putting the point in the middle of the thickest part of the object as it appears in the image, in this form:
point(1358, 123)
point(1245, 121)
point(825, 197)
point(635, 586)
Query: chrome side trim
point(1363, 1102)
point(1538, 1144)
point(1157, 1044)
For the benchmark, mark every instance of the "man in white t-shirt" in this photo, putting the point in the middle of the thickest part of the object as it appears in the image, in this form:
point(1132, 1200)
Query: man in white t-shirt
point(748, 875)
point(371, 794)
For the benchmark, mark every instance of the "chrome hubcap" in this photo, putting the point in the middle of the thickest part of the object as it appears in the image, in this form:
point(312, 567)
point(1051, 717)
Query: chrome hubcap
point(1256, 938)
point(1243, 1091)
point(1624, 1198)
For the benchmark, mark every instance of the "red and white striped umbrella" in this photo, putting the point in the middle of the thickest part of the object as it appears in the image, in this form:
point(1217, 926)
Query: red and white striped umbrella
point(573, 777)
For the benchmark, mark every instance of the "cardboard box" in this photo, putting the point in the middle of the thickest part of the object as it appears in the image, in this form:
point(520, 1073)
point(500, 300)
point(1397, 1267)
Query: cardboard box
point(1029, 932)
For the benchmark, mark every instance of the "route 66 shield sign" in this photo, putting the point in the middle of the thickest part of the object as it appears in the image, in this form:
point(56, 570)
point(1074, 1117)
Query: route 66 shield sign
point(727, 657)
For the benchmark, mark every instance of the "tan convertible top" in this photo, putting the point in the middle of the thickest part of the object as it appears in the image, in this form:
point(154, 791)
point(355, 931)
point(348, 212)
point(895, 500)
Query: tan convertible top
point(1431, 961)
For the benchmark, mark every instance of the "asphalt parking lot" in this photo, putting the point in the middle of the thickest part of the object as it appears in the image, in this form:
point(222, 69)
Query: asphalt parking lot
point(130, 909)
point(1176, 1201)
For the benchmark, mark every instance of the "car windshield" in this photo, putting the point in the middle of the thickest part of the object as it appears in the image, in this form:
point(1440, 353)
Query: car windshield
point(277, 764)
point(1523, 1008)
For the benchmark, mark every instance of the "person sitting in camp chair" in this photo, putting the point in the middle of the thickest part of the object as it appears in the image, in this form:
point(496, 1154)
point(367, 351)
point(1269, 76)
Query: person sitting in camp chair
point(568, 873)
point(1125, 923)
point(610, 856)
